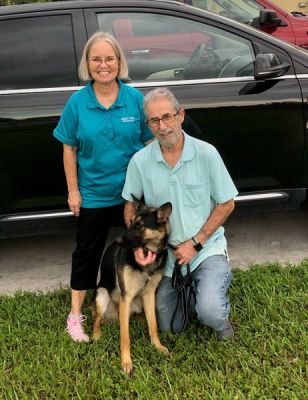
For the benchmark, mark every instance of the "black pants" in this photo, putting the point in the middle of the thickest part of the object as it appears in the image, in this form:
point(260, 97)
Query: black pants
point(93, 227)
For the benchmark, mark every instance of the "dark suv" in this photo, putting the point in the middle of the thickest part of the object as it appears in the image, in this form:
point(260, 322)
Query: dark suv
point(246, 90)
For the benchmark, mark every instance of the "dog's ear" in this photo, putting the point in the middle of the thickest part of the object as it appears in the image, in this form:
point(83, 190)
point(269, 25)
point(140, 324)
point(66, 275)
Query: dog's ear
point(163, 212)
point(139, 203)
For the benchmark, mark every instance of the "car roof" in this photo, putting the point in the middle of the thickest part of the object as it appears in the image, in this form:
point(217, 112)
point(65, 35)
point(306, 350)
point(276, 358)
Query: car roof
point(64, 4)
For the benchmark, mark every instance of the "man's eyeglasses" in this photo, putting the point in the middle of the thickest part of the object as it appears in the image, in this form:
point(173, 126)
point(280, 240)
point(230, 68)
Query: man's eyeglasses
point(108, 60)
point(167, 119)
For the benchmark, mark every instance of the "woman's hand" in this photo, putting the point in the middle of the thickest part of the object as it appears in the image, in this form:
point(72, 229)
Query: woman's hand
point(70, 167)
point(74, 201)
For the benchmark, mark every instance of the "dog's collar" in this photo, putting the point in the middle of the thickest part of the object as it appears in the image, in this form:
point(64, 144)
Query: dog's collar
point(171, 247)
point(159, 251)
point(168, 246)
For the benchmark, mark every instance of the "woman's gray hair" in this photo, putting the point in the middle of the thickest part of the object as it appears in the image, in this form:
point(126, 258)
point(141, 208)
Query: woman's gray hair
point(160, 93)
point(84, 72)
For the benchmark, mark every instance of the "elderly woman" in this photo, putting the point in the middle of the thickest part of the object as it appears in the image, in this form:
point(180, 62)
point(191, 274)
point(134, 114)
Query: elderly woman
point(101, 127)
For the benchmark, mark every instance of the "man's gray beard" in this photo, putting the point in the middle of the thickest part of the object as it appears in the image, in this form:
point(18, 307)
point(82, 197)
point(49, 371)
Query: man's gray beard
point(164, 143)
point(168, 144)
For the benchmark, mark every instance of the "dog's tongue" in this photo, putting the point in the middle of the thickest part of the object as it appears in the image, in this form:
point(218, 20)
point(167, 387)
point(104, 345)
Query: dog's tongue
point(149, 254)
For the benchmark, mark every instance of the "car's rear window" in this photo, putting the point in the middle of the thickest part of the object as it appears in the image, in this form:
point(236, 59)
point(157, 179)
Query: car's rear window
point(37, 52)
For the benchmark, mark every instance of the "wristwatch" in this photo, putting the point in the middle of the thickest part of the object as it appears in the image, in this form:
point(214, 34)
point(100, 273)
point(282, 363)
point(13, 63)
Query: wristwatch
point(197, 245)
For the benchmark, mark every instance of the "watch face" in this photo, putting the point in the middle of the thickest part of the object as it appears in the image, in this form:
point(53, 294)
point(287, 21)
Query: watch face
point(198, 246)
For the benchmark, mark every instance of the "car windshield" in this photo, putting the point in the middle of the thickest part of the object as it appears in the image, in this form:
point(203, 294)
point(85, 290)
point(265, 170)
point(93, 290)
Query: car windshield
point(240, 10)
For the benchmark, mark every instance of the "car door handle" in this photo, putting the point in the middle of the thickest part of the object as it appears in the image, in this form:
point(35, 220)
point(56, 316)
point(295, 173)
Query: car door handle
point(140, 51)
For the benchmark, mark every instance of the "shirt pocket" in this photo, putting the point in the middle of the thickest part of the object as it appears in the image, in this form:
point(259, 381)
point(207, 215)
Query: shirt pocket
point(195, 194)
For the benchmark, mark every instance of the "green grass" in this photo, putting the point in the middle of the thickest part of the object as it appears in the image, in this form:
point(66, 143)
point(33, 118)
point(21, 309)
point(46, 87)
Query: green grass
point(266, 360)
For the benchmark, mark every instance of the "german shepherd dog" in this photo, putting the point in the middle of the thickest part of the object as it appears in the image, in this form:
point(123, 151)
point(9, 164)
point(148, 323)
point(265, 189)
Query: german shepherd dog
point(126, 287)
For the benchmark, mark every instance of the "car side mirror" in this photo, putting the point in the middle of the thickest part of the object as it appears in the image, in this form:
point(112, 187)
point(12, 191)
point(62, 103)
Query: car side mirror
point(268, 66)
point(268, 18)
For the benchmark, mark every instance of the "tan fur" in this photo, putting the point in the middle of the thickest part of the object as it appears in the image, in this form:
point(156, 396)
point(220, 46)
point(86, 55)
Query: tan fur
point(144, 289)
point(140, 296)
point(139, 286)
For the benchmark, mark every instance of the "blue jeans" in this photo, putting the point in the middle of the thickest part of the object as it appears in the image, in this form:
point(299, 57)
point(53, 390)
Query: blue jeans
point(211, 281)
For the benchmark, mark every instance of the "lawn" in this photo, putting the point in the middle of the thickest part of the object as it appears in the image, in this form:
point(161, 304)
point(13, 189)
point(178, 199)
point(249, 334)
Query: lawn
point(266, 360)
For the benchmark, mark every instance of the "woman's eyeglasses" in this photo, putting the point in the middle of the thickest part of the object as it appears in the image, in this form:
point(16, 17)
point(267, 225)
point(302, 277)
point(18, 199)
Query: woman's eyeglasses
point(108, 60)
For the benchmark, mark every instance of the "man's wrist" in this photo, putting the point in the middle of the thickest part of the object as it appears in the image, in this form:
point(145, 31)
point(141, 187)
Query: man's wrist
point(202, 236)
point(197, 245)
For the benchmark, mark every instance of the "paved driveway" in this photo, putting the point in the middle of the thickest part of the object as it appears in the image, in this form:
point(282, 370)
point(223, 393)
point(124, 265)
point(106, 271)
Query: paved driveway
point(43, 262)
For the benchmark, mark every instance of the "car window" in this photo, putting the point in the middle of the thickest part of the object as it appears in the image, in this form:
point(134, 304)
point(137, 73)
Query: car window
point(163, 48)
point(241, 10)
point(37, 52)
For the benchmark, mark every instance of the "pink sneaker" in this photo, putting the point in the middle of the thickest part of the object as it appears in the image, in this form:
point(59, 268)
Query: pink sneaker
point(75, 329)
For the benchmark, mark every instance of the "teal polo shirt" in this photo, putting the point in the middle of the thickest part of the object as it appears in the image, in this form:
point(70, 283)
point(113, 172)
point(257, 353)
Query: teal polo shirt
point(197, 183)
point(106, 139)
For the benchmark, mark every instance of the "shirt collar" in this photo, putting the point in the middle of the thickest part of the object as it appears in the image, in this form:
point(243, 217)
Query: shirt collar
point(188, 151)
point(92, 101)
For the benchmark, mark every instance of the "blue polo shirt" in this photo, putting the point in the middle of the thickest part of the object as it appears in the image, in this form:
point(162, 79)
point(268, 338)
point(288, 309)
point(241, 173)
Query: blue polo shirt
point(106, 139)
point(197, 183)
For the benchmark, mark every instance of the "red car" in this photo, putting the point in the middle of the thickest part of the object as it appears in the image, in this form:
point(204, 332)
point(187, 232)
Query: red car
point(262, 14)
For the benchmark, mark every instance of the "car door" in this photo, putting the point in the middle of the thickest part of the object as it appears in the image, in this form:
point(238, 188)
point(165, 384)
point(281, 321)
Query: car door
point(38, 73)
point(257, 125)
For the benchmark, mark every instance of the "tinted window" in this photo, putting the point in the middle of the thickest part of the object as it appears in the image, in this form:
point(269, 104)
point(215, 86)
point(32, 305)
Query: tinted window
point(37, 52)
point(160, 47)
point(240, 10)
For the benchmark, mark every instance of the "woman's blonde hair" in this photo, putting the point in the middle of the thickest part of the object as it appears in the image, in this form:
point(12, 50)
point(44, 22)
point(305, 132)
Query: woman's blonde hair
point(84, 72)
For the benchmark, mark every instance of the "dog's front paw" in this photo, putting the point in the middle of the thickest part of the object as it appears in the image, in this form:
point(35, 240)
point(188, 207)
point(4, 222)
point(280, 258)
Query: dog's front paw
point(127, 365)
point(156, 342)
point(162, 349)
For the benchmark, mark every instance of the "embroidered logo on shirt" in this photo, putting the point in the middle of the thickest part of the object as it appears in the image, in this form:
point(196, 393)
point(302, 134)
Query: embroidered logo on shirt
point(128, 119)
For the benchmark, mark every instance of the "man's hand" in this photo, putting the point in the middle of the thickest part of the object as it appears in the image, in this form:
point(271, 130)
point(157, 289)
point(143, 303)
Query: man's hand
point(185, 252)
point(129, 212)
point(143, 259)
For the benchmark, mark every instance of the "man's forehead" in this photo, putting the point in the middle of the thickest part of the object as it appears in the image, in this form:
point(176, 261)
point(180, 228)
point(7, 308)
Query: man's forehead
point(160, 106)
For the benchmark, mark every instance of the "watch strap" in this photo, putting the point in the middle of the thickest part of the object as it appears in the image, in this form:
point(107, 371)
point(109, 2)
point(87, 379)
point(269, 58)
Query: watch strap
point(197, 245)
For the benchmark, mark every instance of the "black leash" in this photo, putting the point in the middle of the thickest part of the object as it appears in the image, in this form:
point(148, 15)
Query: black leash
point(184, 286)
